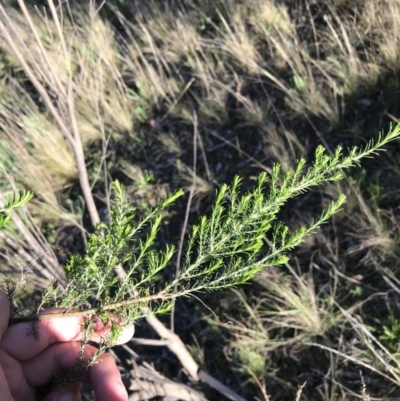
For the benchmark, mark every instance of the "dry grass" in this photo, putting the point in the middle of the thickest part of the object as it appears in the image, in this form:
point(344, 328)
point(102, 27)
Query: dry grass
point(261, 42)
point(188, 178)
point(259, 39)
point(382, 19)
point(33, 150)
point(39, 156)
point(287, 304)
point(292, 302)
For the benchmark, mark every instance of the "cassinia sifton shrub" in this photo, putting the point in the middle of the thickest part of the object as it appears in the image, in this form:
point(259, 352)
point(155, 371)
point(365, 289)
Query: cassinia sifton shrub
point(224, 249)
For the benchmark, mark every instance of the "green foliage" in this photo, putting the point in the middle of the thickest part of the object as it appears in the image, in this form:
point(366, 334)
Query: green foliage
point(299, 83)
point(92, 276)
point(251, 357)
point(390, 335)
point(14, 201)
point(224, 249)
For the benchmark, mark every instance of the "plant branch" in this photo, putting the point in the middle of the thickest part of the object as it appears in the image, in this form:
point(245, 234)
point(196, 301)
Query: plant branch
point(73, 139)
point(185, 222)
point(87, 312)
point(58, 88)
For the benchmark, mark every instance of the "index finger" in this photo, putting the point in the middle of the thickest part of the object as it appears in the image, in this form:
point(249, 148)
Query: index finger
point(4, 312)
point(25, 340)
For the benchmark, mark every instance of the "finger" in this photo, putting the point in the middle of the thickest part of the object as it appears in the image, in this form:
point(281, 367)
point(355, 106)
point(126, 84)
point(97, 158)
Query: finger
point(60, 358)
point(12, 379)
point(21, 342)
point(78, 397)
point(102, 329)
point(4, 312)
point(107, 382)
point(126, 335)
point(68, 392)
point(5, 394)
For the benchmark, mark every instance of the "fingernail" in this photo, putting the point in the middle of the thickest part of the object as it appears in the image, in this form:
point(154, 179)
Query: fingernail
point(126, 334)
point(67, 397)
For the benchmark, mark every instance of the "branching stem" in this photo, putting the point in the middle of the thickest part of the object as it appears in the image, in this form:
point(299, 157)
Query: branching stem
point(86, 312)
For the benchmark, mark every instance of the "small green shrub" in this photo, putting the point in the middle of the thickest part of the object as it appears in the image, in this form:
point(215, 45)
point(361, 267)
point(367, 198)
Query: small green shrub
point(225, 249)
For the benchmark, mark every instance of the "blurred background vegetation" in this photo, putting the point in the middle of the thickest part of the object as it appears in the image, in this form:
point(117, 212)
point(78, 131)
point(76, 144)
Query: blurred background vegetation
point(194, 92)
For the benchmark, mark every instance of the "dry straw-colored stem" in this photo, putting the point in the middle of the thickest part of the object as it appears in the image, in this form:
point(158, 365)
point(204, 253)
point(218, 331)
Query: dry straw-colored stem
point(73, 137)
point(185, 222)
point(176, 346)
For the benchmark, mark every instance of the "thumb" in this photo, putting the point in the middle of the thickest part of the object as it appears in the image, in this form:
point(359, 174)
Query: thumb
point(4, 316)
point(66, 392)
point(4, 312)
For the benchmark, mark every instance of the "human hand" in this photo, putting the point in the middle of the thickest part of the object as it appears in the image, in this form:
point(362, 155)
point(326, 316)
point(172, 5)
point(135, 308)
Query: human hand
point(26, 363)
